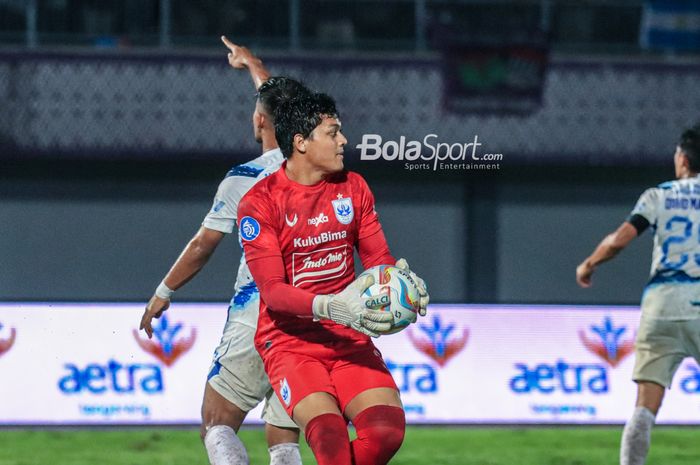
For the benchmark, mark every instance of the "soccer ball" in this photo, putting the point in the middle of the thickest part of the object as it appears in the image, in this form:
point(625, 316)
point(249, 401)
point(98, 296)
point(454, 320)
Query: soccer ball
point(396, 289)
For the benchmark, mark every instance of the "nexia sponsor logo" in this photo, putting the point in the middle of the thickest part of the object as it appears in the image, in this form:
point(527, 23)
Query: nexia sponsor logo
point(413, 377)
point(320, 219)
point(435, 152)
point(320, 239)
point(568, 378)
point(112, 376)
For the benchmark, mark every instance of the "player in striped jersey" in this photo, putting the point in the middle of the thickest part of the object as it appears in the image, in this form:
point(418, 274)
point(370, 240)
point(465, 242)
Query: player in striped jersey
point(237, 381)
point(669, 330)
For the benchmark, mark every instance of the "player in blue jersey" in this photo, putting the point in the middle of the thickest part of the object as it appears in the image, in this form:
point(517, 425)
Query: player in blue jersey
point(237, 381)
point(669, 330)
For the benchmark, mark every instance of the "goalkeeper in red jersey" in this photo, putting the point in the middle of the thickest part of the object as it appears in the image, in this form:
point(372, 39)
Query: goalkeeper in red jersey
point(299, 228)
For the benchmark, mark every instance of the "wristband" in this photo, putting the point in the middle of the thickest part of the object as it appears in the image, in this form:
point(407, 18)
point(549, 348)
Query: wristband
point(163, 291)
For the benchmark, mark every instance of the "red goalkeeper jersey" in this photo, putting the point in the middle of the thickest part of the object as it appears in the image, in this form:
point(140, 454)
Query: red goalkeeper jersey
point(298, 241)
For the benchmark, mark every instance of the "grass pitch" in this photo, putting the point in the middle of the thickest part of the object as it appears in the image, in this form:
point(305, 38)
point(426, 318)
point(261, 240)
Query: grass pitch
point(423, 445)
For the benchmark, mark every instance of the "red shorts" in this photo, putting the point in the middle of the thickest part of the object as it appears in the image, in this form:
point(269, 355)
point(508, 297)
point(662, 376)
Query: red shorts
point(342, 371)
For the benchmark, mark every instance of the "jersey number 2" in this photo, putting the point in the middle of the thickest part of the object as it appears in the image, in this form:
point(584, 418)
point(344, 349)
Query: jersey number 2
point(678, 239)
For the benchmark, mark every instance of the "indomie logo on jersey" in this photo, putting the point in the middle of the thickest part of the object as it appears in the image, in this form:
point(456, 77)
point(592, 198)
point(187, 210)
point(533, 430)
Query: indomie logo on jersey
point(439, 342)
point(605, 342)
point(6, 344)
point(167, 346)
point(319, 265)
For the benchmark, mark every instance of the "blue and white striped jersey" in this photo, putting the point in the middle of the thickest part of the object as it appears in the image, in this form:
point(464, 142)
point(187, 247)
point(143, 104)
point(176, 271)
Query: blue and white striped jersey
point(673, 211)
point(222, 217)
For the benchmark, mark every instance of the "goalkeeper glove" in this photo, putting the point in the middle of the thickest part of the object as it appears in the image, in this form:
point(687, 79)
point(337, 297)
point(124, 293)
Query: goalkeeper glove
point(350, 308)
point(420, 284)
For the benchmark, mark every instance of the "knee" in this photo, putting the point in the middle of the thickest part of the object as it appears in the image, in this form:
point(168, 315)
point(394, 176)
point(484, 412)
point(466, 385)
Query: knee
point(278, 435)
point(386, 442)
point(391, 431)
point(380, 431)
point(222, 418)
point(393, 437)
point(212, 419)
point(216, 410)
point(650, 395)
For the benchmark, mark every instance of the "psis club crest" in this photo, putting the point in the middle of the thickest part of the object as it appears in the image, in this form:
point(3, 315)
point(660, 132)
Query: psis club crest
point(605, 341)
point(342, 207)
point(6, 344)
point(168, 345)
point(439, 342)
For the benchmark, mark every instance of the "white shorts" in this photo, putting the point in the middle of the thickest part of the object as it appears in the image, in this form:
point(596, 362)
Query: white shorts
point(237, 373)
point(661, 347)
point(672, 301)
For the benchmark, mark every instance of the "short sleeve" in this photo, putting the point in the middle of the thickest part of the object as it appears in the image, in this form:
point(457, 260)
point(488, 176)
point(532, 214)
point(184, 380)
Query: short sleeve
point(257, 227)
point(369, 219)
point(647, 206)
point(222, 216)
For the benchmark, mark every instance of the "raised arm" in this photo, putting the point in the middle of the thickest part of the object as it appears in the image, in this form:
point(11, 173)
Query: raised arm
point(240, 57)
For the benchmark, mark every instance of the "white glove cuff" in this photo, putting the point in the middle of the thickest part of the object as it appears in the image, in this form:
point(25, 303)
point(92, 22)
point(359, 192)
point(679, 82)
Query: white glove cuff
point(319, 307)
point(163, 291)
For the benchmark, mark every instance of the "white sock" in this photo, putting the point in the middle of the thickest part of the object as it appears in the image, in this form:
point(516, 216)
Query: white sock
point(636, 437)
point(224, 447)
point(285, 454)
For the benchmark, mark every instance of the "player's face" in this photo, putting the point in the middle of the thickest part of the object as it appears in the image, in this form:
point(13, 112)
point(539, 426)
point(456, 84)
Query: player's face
point(325, 145)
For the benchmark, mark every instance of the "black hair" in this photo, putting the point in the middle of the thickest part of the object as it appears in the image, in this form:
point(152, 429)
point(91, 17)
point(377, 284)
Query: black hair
point(690, 145)
point(301, 115)
point(276, 90)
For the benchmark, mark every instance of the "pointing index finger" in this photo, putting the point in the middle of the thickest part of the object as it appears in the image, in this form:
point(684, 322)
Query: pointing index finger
point(230, 45)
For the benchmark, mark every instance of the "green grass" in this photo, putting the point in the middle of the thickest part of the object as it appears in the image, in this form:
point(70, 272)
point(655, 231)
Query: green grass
point(439, 446)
